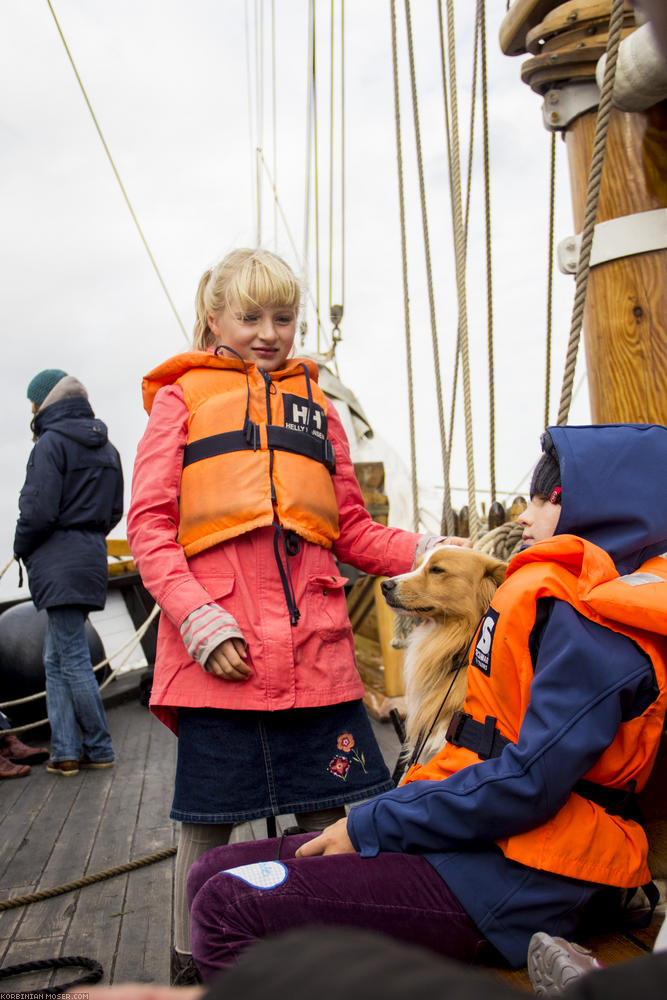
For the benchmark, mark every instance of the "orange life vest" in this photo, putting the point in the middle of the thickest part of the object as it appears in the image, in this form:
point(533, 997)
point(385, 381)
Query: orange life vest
point(582, 840)
point(257, 451)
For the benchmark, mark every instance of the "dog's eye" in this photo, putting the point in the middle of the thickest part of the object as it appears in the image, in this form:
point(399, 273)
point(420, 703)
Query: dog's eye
point(437, 569)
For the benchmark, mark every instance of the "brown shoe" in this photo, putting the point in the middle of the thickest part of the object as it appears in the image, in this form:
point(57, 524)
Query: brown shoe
point(20, 753)
point(64, 767)
point(9, 770)
point(94, 765)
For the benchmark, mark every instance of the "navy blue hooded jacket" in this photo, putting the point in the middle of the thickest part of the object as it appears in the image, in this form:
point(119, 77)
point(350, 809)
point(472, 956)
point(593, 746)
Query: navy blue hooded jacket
point(587, 680)
point(72, 497)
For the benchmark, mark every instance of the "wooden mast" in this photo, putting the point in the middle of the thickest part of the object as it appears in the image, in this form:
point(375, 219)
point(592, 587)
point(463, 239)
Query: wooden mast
point(625, 318)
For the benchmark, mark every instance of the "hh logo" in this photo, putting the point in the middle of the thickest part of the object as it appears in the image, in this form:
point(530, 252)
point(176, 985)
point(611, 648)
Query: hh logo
point(482, 655)
point(299, 416)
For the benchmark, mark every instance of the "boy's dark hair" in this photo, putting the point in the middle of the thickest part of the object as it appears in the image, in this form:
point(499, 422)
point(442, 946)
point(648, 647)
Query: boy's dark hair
point(546, 477)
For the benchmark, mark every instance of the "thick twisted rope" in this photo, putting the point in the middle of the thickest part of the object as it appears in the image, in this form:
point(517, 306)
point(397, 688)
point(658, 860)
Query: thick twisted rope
point(35, 897)
point(404, 260)
point(550, 276)
point(591, 209)
point(448, 514)
point(460, 270)
point(502, 542)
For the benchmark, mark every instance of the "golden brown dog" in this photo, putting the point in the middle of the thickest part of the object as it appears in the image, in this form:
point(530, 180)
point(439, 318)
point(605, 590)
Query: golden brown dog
point(448, 593)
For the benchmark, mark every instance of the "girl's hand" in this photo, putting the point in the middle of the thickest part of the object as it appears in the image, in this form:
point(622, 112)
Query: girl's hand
point(333, 840)
point(227, 661)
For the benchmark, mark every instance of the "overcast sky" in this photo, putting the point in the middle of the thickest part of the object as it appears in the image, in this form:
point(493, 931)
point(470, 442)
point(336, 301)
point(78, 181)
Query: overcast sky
point(171, 88)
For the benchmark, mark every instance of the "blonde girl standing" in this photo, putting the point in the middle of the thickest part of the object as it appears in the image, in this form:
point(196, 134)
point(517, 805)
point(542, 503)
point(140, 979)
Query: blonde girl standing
point(244, 497)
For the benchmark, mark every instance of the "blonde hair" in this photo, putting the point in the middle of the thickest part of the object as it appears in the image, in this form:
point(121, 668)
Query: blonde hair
point(243, 280)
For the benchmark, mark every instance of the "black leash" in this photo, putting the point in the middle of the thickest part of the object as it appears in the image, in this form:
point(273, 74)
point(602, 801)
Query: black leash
point(94, 974)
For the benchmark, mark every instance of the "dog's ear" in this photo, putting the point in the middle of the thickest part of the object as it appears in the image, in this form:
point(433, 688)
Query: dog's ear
point(494, 575)
point(497, 571)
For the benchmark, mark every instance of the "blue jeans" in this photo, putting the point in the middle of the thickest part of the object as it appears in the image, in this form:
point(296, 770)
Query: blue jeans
point(73, 701)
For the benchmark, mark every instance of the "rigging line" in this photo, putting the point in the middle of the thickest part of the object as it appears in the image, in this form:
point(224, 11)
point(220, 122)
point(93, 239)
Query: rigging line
point(342, 151)
point(448, 526)
point(336, 314)
point(489, 260)
point(259, 88)
point(460, 274)
point(252, 144)
point(331, 146)
point(316, 174)
point(309, 144)
point(471, 143)
point(590, 212)
point(550, 275)
point(274, 109)
point(404, 261)
point(117, 175)
point(291, 239)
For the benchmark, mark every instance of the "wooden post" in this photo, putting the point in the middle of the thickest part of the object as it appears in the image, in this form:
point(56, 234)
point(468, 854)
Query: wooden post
point(391, 657)
point(625, 316)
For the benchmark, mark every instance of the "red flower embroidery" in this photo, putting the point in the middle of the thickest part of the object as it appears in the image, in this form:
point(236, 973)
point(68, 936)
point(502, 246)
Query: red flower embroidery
point(340, 766)
point(345, 742)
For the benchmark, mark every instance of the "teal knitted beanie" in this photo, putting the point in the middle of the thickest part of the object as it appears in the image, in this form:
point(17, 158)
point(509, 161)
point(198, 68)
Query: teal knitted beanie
point(42, 384)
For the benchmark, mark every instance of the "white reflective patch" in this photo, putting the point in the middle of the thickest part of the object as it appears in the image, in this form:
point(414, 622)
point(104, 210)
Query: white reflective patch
point(261, 875)
point(637, 579)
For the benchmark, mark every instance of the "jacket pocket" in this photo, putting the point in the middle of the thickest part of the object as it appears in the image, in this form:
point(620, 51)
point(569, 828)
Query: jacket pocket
point(218, 587)
point(327, 606)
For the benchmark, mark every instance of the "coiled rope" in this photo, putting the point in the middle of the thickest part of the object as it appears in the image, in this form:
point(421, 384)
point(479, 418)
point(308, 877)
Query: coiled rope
point(591, 209)
point(94, 974)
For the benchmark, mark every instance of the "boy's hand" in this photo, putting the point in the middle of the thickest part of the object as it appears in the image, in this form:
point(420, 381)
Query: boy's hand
point(333, 840)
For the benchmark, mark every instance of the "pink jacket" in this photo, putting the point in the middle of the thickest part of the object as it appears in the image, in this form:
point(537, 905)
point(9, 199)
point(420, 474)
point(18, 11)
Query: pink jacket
point(312, 664)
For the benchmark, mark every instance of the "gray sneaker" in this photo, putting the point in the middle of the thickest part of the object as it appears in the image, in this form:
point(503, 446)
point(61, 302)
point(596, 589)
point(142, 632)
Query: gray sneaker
point(553, 963)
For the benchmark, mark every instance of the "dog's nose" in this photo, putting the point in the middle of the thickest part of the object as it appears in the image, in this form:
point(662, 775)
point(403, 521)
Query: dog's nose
point(387, 586)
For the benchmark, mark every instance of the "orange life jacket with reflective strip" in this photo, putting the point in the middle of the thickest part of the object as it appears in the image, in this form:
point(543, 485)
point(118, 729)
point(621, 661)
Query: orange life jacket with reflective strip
point(257, 451)
point(582, 840)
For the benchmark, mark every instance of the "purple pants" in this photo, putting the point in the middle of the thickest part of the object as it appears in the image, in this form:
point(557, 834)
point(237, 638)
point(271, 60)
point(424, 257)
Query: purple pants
point(400, 895)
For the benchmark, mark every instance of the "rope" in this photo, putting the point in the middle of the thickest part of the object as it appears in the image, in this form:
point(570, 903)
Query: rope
point(489, 264)
point(292, 244)
point(460, 272)
point(6, 567)
point(94, 974)
point(80, 883)
point(448, 515)
point(590, 213)
point(117, 175)
point(404, 260)
point(316, 174)
point(550, 276)
point(336, 310)
point(130, 644)
point(502, 542)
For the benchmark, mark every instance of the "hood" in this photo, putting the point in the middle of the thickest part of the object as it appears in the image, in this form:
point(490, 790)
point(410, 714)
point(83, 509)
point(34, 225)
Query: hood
point(614, 488)
point(171, 370)
point(74, 419)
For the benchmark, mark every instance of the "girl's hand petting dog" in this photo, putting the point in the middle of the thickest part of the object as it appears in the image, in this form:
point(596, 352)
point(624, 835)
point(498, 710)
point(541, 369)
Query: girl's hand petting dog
point(428, 542)
point(332, 840)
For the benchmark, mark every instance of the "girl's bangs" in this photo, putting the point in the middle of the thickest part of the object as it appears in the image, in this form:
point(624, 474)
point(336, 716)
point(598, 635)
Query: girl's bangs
point(256, 285)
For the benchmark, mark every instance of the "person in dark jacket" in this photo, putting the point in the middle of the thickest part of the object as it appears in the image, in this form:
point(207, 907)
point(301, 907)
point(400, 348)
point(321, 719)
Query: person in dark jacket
point(498, 836)
point(72, 497)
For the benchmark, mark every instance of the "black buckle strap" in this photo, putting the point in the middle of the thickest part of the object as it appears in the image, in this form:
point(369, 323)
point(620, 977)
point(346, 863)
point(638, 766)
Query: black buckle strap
point(484, 739)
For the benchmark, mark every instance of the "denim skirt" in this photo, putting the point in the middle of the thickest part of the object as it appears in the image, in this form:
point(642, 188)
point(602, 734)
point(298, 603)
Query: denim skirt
point(235, 766)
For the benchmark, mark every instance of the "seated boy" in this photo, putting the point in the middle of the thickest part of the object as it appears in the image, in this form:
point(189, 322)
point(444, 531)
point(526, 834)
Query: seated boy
point(526, 819)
